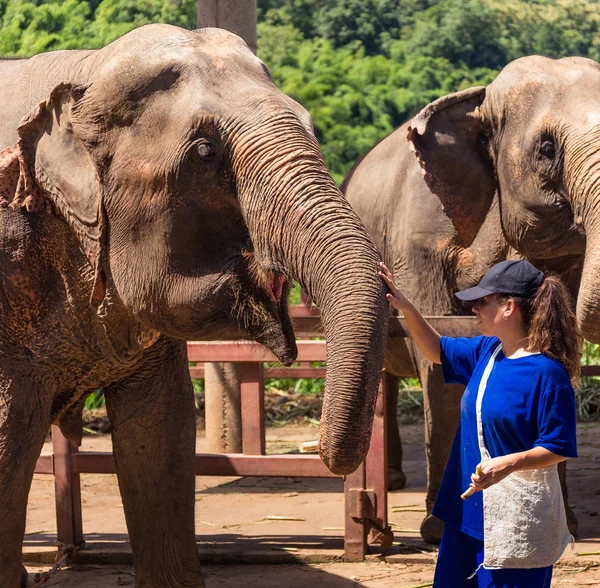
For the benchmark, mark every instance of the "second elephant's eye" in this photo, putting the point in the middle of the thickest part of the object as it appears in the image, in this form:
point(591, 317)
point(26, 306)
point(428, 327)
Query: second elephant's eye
point(206, 150)
point(548, 149)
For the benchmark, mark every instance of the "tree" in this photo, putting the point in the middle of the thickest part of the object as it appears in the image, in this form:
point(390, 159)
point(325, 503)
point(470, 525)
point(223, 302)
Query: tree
point(33, 26)
point(466, 32)
point(360, 67)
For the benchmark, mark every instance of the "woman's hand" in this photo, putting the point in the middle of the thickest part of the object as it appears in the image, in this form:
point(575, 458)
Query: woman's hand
point(423, 334)
point(496, 469)
point(395, 295)
point(493, 471)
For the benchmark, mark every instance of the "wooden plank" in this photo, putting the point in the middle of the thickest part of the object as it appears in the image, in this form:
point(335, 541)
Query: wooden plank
point(299, 372)
point(253, 408)
point(309, 325)
point(280, 373)
point(222, 464)
point(249, 351)
point(302, 310)
point(45, 464)
point(94, 462)
point(291, 466)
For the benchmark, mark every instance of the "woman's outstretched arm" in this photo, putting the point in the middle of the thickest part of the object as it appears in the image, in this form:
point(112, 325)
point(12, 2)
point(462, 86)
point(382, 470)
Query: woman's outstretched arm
point(424, 335)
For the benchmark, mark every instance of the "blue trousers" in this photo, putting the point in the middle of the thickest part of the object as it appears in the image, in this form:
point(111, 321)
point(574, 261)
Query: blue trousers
point(460, 555)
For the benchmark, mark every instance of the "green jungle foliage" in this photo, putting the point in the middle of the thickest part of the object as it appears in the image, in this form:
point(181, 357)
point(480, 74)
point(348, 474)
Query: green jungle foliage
point(361, 67)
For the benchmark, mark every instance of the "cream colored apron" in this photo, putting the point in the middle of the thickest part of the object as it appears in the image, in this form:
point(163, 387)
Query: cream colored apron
point(523, 515)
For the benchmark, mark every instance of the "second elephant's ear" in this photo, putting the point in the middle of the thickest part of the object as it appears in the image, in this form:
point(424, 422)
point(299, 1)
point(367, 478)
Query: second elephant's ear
point(449, 139)
point(56, 166)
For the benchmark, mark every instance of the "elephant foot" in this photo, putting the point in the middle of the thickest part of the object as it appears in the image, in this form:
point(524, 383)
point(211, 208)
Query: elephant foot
point(432, 529)
point(396, 479)
point(572, 521)
point(24, 578)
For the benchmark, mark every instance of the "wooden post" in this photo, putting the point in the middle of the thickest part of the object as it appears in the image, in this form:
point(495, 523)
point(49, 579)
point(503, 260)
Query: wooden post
point(253, 408)
point(355, 529)
point(69, 528)
point(237, 16)
point(376, 470)
point(223, 407)
point(366, 492)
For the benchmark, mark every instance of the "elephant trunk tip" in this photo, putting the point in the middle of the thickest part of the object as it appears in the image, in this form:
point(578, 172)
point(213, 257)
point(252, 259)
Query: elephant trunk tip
point(339, 468)
point(340, 464)
point(286, 352)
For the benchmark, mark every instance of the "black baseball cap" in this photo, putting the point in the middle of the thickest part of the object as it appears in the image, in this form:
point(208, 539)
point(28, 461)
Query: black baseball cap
point(515, 278)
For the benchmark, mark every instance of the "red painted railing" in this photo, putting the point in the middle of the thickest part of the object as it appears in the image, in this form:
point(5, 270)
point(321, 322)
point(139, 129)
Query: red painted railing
point(365, 490)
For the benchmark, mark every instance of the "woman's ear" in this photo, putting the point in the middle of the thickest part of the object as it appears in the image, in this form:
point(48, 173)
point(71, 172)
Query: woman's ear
point(50, 168)
point(450, 142)
point(510, 307)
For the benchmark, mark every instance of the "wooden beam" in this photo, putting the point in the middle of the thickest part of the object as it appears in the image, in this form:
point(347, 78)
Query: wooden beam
point(239, 351)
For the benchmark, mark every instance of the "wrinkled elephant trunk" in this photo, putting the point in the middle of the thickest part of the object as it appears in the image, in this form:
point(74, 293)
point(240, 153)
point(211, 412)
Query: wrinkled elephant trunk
point(585, 182)
point(301, 224)
point(588, 300)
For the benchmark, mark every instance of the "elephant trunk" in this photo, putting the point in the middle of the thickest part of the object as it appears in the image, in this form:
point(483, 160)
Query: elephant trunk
point(588, 300)
point(301, 225)
point(584, 181)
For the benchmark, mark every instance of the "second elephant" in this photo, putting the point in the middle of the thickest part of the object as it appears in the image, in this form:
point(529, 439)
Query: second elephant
point(475, 177)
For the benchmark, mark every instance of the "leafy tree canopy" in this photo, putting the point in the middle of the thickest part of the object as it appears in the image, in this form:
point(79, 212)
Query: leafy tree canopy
point(361, 67)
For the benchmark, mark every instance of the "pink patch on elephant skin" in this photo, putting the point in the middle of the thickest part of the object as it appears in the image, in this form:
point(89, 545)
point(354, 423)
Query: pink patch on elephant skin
point(10, 170)
point(18, 188)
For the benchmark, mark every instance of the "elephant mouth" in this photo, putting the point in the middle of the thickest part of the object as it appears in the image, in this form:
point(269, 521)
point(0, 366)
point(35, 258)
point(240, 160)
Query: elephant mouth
point(261, 309)
point(275, 287)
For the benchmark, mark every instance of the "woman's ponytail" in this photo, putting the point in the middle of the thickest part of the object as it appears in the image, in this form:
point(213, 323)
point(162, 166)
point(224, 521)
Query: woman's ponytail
point(551, 325)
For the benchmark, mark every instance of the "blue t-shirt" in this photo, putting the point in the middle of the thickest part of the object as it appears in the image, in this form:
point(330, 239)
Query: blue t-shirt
point(528, 402)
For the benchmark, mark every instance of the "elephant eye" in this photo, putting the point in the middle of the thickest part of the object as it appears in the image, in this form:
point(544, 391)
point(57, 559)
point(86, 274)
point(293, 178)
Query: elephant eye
point(206, 150)
point(548, 149)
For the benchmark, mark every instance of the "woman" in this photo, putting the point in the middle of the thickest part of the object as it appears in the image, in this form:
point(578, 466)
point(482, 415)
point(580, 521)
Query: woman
point(517, 423)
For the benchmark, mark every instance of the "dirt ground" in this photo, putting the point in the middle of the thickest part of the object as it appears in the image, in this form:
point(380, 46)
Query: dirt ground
point(232, 528)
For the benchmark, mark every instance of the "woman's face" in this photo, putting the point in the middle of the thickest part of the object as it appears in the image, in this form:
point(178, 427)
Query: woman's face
point(490, 314)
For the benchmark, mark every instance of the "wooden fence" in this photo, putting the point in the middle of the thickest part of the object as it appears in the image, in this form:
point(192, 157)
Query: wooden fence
point(365, 490)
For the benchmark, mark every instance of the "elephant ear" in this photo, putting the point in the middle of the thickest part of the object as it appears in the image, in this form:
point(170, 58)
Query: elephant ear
point(50, 168)
point(449, 139)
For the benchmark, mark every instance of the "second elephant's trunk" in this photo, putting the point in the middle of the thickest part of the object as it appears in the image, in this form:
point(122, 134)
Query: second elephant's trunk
point(585, 187)
point(301, 224)
point(588, 300)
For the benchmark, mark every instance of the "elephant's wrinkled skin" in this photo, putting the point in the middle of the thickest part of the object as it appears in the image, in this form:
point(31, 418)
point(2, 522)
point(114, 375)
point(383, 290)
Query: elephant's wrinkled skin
point(511, 169)
point(158, 190)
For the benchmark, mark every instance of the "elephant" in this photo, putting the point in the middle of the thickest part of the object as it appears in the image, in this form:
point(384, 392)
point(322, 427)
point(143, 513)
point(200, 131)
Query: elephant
point(159, 190)
point(478, 176)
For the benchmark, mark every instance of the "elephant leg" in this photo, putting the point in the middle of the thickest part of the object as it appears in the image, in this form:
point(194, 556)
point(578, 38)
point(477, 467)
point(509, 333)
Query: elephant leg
point(154, 434)
point(441, 403)
point(572, 522)
point(396, 477)
point(24, 423)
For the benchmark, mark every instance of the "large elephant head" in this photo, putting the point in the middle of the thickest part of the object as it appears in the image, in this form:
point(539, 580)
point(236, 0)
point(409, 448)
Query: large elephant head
point(197, 191)
point(532, 138)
